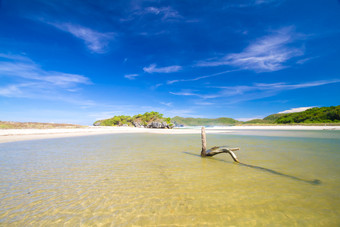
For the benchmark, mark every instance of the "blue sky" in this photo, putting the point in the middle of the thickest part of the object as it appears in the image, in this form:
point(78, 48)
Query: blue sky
point(76, 61)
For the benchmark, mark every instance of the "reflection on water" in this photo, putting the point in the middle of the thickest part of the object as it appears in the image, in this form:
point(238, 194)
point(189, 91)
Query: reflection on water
point(152, 180)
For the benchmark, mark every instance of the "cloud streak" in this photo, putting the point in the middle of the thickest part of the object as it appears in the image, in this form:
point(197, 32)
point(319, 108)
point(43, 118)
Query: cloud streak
point(296, 110)
point(199, 77)
point(131, 76)
point(31, 71)
point(266, 54)
point(167, 13)
point(256, 91)
point(97, 42)
point(29, 80)
point(168, 69)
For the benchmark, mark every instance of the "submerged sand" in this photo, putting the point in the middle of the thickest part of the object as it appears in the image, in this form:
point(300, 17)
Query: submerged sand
point(12, 135)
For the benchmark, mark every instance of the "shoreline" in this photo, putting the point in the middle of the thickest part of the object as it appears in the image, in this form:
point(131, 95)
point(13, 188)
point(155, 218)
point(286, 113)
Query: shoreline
point(13, 135)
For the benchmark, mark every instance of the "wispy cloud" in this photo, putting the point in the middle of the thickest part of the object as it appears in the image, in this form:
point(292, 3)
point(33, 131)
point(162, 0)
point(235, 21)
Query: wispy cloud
point(304, 60)
point(167, 13)
point(193, 93)
point(256, 91)
point(97, 42)
point(29, 80)
point(131, 76)
point(266, 54)
point(298, 109)
point(169, 104)
point(254, 3)
point(168, 69)
point(32, 71)
point(11, 90)
point(200, 77)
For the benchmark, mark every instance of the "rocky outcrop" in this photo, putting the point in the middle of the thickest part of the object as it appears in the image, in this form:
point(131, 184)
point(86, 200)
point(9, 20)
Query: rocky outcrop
point(155, 124)
point(97, 123)
point(137, 124)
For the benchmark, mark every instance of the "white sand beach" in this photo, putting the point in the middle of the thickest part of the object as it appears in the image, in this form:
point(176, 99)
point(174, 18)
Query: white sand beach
point(12, 135)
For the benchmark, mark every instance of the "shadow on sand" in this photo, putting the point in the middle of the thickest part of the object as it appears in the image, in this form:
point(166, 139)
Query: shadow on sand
point(313, 182)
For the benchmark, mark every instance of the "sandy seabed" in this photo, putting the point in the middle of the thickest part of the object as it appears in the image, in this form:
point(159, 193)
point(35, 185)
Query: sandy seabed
point(12, 135)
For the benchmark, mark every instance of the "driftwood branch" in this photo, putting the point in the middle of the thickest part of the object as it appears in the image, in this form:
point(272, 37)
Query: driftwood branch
point(216, 150)
point(204, 143)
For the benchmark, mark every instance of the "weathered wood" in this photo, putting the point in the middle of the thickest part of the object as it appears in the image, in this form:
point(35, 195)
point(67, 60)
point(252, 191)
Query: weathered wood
point(204, 142)
point(216, 150)
point(223, 149)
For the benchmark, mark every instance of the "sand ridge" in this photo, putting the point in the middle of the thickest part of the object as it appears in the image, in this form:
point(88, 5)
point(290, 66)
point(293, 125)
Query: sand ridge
point(12, 135)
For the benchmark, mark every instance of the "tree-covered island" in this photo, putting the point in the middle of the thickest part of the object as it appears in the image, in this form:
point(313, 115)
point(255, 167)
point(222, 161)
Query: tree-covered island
point(147, 120)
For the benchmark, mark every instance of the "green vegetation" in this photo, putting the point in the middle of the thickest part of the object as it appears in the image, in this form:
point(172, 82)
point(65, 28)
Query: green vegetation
point(273, 117)
point(141, 119)
point(203, 121)
point(265, 121)
point(257, 121)
point(313, 115)
point(323, 115)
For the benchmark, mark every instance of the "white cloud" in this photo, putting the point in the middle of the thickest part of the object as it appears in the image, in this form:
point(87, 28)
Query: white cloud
point(202, 103)
point(254, 3)
point(31, 71)
point(131, 76)
point(190, 93)
point(29, 80)
point(184, 93)
point(11, 90)
point(97, 42)
point(166, 103)
point(169, 69)
point(156, 86)
point(295, 110)
point(256, 91)
point(266, 54)
point(167, 13)
point(200, 77)
point(304, 60)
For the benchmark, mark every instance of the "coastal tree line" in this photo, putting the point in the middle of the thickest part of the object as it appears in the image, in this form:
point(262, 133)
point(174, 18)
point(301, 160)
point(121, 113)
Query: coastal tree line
point(316, 115)
point(142, 119)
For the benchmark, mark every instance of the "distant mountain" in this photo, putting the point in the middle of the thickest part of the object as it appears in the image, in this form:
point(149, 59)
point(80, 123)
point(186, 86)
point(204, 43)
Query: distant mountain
point(314, 115)
point(189, 121)
point(311, 116)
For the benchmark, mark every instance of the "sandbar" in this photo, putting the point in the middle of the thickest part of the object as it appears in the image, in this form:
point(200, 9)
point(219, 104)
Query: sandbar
point(13, 135)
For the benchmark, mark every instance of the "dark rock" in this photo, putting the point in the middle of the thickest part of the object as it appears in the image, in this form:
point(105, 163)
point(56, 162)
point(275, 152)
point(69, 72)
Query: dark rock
point(136, 124)
point(155, 124)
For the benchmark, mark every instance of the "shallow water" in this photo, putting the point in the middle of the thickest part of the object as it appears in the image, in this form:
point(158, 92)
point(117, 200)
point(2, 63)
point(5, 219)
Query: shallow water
point(286, 178)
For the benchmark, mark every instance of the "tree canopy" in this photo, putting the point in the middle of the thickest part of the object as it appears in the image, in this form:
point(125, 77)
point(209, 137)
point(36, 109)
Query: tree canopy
point(142, 119)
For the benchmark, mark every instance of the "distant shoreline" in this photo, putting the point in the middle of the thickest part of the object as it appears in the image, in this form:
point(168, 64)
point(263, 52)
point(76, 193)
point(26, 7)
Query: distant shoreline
point(13, 135)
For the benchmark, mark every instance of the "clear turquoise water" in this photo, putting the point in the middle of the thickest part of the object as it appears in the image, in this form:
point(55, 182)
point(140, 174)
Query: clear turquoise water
point(286, 178)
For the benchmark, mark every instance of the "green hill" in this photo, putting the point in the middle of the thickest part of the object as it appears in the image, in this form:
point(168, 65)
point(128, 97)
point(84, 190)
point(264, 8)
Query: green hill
point(314, 115)
point(189, 121)
point(311, 116)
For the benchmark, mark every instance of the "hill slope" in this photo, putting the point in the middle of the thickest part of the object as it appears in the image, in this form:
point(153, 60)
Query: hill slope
point(314, 115)
point(189, 121)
